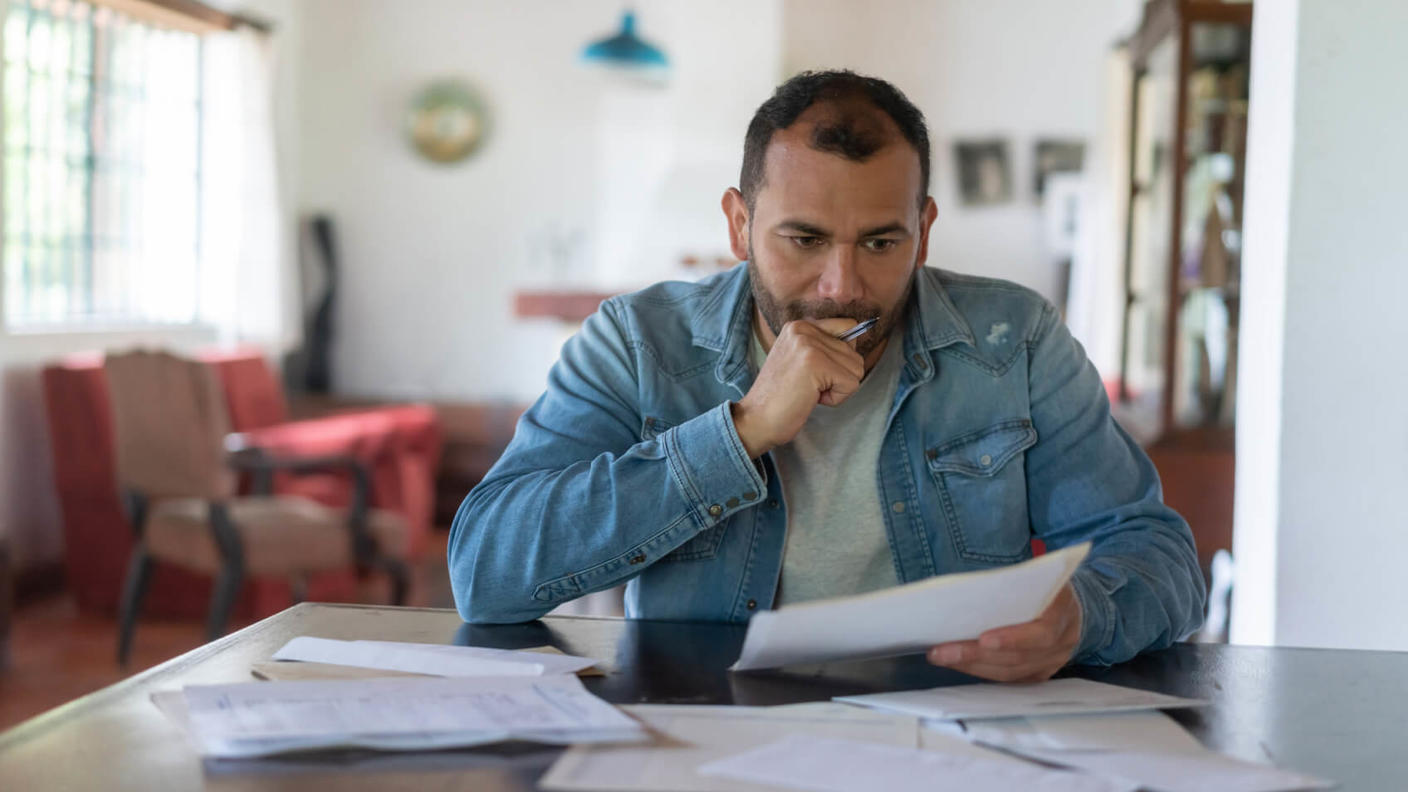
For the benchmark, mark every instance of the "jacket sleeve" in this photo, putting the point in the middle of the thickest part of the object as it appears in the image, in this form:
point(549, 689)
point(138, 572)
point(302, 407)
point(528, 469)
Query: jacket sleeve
point(579, 502)
point(1140, 588)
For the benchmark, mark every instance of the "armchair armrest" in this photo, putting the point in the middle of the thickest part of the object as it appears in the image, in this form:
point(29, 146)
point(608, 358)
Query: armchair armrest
point(261, 464)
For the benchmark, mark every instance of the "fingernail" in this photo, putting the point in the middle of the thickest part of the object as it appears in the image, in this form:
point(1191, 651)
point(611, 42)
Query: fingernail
point(948, 655)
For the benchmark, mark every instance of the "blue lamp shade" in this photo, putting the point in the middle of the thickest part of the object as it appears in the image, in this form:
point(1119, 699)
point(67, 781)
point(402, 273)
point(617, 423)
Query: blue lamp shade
point(625, 49)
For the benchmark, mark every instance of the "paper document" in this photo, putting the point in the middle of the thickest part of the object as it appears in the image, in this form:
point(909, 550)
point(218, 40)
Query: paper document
point(908, 618)
point(433, 659)
point(1200, 771)
point(993, 700)
point(834, 765)
point(1150, 731)
point(689, 736)
point(263, 718)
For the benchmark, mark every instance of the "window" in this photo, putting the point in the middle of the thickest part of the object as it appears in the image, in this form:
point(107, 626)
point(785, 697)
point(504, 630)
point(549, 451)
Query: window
point(101, 171)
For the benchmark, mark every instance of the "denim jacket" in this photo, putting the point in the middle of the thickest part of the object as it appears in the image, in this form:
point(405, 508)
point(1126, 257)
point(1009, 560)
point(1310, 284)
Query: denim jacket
point(629, 470)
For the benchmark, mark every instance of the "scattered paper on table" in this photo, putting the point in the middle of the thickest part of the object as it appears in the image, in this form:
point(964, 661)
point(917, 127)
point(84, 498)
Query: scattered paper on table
point(1001, 700)
point(1150, 731)
point(1201, 771)
point(909, 618)
point(836, 765)
point(295, 671)
point(433, 659)
point(263, 718)
point(688, 736)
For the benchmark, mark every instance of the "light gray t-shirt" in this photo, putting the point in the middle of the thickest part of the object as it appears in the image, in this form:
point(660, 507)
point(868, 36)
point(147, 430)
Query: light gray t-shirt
point(836, 542)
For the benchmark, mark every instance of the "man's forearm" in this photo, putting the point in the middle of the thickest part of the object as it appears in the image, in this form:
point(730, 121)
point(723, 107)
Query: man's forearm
point(529, 538)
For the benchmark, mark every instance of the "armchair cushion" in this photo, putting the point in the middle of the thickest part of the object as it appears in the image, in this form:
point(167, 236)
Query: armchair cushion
point(282, 535)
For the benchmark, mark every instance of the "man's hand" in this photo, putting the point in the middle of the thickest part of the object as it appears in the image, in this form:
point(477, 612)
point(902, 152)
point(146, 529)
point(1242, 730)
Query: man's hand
point(806, 366)
point(1029, 652)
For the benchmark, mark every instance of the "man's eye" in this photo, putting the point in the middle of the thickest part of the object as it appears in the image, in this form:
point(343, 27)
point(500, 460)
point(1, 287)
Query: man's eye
point(806, 241)
point(880, 245)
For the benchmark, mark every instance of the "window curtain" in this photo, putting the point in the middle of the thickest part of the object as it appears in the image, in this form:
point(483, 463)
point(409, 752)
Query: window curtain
point(247, 288)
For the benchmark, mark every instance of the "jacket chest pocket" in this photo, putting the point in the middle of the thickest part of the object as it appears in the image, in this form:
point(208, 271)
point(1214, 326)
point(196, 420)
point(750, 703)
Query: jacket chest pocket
point(705, 544)
point(981, 479)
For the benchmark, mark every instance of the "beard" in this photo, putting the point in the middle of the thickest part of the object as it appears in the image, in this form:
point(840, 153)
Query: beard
point(777, 313)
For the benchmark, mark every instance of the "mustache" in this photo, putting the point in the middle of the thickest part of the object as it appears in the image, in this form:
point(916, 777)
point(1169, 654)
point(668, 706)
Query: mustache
point(830, 309)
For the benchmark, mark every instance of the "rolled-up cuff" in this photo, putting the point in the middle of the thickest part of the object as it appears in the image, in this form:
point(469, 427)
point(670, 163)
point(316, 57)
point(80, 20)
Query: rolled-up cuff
point(712, 468)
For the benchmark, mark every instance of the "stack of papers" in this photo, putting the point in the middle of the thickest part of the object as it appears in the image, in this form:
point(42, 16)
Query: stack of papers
point(430, 659)
point(830, 765)
point(399, 714)
point(808, 746)
point(991, 700)
point(1104, 731)
point(909, 618)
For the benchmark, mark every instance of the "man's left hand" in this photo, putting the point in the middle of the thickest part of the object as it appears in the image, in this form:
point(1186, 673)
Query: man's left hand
point(1029, 652)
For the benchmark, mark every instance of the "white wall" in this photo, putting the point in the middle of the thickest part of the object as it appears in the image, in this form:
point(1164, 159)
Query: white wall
point(432, 255)
point(1322, 434)
point(1010, 68)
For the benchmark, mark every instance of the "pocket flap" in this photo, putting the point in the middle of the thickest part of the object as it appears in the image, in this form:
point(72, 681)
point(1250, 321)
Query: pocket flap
point(984, 452)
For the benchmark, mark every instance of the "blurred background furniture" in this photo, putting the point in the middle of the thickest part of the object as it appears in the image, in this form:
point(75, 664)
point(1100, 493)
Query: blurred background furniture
point(1188, 154)
point(399, 446)
point(178, 473)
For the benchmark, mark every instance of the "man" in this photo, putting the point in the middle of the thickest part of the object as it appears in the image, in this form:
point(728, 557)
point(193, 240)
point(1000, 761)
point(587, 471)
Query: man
point(717, 447)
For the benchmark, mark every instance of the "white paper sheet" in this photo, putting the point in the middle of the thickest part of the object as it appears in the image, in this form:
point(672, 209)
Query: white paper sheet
point(433, 659)
point(909, 618)
point(262, 718)
point(835, 765)
point(688, 736)
point(1150, 731)
point(1199, 771)
point(992, 700)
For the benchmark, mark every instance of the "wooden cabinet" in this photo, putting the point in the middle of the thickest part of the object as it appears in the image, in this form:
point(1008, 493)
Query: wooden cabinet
point(1178, 374)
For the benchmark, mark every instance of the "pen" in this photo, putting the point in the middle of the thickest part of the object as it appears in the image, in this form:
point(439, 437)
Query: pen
point(859, 330)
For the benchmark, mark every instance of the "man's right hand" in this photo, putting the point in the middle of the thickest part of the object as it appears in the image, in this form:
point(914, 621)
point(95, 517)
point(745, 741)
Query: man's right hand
point(806, 366)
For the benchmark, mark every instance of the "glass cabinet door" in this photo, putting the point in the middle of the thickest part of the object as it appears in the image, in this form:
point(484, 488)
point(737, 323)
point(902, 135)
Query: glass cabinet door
point(1150, 237)
point(1204, 371)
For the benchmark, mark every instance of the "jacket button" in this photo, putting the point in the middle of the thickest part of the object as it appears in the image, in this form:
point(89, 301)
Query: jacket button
point(750, 495)
point(919, 361)
point(897, 507)
point(752, 604)
point(638, 559)
point(772, 503)
point(732, 502)
point(715, 510)
point(985, 460)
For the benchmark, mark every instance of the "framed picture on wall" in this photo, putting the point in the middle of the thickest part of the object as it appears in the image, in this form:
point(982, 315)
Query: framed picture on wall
point(1055, 156)
point(984, 171)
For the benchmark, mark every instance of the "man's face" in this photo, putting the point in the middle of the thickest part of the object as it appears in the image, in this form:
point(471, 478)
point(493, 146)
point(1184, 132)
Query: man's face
point(830, 237)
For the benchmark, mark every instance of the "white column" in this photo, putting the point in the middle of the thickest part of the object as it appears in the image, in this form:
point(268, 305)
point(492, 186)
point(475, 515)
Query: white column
point(1322, 427)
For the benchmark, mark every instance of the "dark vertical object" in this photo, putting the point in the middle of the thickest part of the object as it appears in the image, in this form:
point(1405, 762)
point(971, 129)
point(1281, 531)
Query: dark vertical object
point(309, 369)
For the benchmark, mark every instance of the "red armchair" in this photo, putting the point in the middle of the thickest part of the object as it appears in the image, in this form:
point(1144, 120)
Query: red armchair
point(400, 445)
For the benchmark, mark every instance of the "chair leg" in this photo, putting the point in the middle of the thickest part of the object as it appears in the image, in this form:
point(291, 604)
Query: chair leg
point(134, 590)
point(222, 600)
point(400, 578)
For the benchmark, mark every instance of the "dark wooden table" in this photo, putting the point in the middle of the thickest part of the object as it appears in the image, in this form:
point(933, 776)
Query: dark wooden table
point(1336, 714)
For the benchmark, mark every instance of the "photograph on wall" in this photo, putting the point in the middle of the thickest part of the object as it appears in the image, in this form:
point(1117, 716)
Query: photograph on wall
point(984, 171)
point(1055, 156)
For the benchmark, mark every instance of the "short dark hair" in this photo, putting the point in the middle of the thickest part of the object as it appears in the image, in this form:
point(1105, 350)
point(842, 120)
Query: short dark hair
point(848, 135)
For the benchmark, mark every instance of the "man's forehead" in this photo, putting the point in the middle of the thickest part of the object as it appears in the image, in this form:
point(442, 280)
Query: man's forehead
point(800, 178)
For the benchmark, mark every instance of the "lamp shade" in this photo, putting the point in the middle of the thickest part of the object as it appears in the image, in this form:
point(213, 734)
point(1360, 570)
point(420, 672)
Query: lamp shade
point(625, 49)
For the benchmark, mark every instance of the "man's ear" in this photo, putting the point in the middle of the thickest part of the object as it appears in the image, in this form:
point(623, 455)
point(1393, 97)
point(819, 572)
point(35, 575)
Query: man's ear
point(926, 221)
point(736, 212)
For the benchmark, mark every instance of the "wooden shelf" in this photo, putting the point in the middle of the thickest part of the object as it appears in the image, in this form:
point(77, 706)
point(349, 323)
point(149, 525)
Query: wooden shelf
point(568, 306)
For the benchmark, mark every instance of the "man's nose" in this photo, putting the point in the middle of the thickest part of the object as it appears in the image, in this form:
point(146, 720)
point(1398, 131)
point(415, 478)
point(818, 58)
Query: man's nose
point(838, 279)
